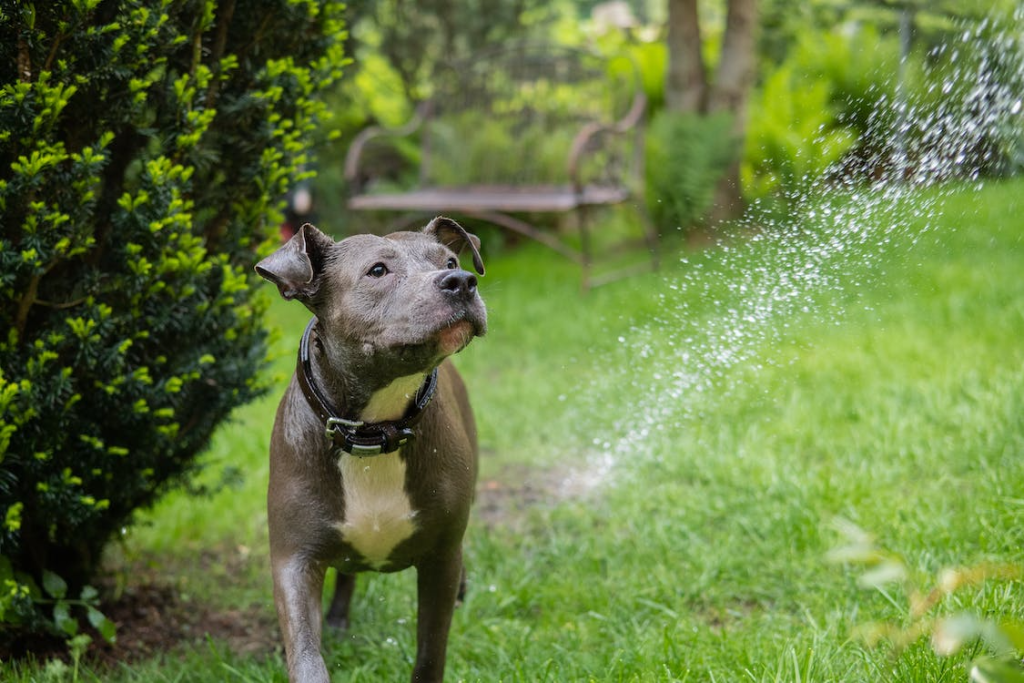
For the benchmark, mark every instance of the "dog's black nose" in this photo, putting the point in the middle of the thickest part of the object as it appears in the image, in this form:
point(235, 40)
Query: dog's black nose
point(458, 283)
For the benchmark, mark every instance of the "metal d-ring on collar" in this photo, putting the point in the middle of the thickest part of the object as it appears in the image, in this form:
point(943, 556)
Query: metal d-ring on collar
point(355, 436)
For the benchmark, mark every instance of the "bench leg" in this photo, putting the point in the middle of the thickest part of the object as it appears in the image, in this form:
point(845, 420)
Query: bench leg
point(586, 247)
point(650, 234)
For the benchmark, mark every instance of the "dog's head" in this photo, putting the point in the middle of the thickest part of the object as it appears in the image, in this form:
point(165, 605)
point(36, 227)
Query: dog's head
point(400, 303)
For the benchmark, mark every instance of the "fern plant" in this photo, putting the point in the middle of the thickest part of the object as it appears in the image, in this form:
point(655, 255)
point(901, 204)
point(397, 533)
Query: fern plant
point(686, 156)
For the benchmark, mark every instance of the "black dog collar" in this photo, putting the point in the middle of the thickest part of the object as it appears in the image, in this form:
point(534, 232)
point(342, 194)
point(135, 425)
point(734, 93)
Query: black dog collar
point(354, 436)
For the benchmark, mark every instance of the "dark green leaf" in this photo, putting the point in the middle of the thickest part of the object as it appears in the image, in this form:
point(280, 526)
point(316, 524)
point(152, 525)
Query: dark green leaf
point(54, 586)
point(101, 623)
point(63, 619)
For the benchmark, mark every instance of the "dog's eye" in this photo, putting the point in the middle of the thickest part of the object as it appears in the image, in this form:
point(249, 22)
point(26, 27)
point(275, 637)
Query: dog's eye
point(453, 263)
point(378, 270)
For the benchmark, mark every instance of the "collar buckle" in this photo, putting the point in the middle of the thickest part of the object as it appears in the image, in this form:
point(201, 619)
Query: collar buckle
point(338, 424)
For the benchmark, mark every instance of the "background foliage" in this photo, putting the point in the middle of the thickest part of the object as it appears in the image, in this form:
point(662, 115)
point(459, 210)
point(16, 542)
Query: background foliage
point(144, 150)
point(843, 97)
point(828, 73)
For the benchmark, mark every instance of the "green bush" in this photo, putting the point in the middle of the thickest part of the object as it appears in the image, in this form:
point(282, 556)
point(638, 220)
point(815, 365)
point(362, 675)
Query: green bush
point(687, 155)
point(144, 151)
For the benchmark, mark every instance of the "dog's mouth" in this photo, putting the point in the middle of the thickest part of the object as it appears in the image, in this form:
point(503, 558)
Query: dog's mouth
point(456, 332)
point(436, 335)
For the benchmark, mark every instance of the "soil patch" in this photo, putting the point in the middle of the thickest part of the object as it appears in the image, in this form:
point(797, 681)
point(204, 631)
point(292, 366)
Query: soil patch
point(155, 616)
point(506, 500)
point(152, 618)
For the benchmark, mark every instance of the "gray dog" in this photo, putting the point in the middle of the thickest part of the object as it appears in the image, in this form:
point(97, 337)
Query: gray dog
point(373, 456)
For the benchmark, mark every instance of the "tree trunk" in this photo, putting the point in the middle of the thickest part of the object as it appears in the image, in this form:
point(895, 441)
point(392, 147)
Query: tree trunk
point(730, 93)
point(736, 67)
point(686, 80)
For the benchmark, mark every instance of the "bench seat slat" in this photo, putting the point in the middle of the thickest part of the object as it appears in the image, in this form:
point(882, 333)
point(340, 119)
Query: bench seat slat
point(509, 198)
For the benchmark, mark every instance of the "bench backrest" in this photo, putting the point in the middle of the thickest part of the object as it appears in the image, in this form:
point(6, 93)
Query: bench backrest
point(512, 116)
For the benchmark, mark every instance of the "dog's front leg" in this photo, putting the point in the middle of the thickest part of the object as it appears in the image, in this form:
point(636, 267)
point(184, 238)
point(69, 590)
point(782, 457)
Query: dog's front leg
point(437, 585)
point(298, 586)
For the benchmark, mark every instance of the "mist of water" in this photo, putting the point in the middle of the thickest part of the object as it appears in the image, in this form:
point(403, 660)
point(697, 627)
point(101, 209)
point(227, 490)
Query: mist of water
point(810, 264)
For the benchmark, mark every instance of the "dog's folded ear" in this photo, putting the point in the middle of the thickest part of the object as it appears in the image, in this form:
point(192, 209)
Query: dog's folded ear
point(454, 236)
point(296, 267)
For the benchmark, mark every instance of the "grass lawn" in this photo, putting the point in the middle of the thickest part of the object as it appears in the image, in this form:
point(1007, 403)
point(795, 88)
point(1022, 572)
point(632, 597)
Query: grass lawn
point(664, 464)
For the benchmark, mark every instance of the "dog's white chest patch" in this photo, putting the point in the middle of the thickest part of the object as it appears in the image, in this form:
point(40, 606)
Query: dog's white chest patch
point(378, 512)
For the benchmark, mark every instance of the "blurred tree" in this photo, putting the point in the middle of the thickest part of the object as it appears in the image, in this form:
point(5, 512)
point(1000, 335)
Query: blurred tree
point(690, 90)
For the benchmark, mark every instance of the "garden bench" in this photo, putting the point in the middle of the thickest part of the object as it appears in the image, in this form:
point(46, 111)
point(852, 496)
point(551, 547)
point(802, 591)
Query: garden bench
point(514, 134)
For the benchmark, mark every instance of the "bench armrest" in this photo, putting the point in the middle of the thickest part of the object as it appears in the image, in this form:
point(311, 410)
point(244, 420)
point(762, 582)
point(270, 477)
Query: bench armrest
point(631, 122)
point(355, 151)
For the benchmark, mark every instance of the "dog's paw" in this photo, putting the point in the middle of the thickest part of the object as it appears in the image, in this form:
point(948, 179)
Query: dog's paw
point(337, 622)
